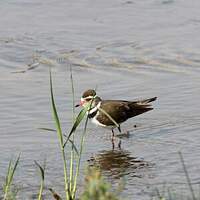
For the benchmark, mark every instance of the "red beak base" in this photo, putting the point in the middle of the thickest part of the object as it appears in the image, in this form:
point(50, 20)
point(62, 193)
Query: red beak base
point(80, 104)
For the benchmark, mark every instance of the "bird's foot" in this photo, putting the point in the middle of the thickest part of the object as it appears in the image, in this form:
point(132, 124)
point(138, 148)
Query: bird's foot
point(125, 134)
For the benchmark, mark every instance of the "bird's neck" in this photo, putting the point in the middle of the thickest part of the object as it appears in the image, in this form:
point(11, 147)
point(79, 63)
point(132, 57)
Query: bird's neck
point(93, 111)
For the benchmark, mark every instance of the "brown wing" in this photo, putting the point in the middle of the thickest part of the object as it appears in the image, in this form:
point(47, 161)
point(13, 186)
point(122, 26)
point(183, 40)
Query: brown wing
point(120, 111)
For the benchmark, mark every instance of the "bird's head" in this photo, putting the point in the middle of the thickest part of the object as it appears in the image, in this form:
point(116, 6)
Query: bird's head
point(87, 97)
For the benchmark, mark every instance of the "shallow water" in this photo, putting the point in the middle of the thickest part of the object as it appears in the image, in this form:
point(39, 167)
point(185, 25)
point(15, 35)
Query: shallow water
point(128, 49)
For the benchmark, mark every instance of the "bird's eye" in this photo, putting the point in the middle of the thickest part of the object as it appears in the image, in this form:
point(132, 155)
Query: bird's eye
point(88, 99)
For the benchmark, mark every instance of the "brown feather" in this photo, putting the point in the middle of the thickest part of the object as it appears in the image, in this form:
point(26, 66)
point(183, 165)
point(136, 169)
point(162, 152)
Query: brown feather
point(121, 110)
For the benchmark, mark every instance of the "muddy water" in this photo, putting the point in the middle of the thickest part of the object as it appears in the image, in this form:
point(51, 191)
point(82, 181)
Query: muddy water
point(128, 49)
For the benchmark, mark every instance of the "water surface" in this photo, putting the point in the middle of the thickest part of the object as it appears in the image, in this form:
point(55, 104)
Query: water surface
point(128, 49)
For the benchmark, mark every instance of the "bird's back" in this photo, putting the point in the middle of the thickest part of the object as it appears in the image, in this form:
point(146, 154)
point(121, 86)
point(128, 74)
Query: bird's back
point(121, 110)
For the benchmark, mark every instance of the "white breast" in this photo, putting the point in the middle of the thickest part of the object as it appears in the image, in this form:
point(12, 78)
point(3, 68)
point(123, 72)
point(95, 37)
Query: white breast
point(95, 121)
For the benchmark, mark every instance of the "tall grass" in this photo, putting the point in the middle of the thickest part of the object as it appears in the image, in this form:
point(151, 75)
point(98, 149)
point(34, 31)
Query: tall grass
point(71, 175)
point(9, 178)
point(60, 138)
point(71, 178)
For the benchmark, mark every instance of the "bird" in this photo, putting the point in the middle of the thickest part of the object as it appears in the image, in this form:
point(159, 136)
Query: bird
point(112, 113)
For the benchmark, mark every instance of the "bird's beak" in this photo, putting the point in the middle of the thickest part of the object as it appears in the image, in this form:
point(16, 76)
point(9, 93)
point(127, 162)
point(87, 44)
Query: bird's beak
point(77, 105)
point(80, 104)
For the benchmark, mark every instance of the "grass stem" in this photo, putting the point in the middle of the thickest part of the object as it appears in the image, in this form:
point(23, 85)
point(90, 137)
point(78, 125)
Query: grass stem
point(60, 136)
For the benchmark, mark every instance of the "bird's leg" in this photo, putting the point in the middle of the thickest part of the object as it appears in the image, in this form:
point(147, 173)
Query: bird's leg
point(113, 145)
point(113, 135)
point(112, 139)
point(119, 143)
point(119, 128)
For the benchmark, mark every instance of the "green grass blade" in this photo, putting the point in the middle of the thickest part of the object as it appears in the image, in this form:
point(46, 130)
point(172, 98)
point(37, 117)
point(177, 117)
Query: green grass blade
point(13, 170)
point(8, 173)
point(79, 158)
point(41, 169)
point(55, 114)
point(9, 177)
point(60, 136)
point(73, 98)
point(48, 129)
point(74, 147)
point(72, 156)
point(78, 120)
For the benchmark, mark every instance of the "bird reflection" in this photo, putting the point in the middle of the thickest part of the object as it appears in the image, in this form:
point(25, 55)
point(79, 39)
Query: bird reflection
point(118, 163)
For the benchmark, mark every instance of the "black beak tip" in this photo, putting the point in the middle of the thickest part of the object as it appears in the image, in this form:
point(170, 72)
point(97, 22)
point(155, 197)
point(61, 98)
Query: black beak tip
point(77, 105)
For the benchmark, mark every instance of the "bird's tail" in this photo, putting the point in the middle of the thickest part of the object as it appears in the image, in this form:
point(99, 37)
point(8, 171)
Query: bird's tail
point(141, 106)
point(146, 101)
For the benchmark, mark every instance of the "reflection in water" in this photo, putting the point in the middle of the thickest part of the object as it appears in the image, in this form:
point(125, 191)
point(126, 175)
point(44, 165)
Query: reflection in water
point(118, 163)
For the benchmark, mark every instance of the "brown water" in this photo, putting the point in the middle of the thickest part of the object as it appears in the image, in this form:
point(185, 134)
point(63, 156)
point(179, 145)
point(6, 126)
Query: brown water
point(128, 49)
